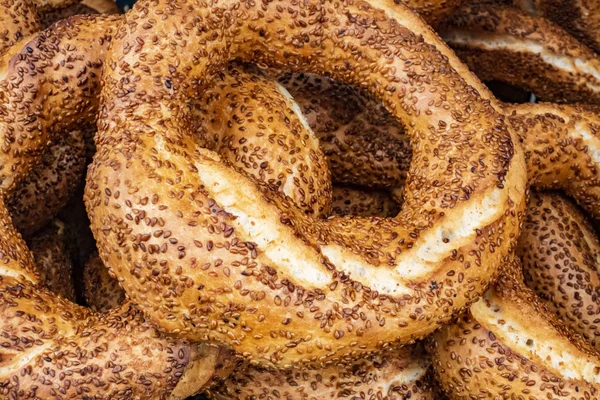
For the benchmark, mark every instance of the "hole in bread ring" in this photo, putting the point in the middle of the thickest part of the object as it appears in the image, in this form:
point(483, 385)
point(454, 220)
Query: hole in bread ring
point(281, 286)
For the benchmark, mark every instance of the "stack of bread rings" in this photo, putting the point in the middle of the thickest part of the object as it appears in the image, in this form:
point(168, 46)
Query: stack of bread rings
point(299, 200)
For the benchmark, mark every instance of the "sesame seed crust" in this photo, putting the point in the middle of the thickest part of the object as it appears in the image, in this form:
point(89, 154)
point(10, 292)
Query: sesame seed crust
point(86, 7)
point(562, 149)
point(400, 373)
point(362, 202)
point(559, 251)
point(51, 255)
point(50, 347)
point(581, 18)
point(561, 142)
point(101, 290)
point(395, 373)
point(46, 190)
point(506, 44)
point(363, 143)
point(278, 285)
point(510, 346)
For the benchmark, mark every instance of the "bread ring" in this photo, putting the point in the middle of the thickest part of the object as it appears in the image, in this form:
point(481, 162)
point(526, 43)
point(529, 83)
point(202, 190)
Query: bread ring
point(560, 254)
point(303, 307)
point(560, 141)
point(66, 351)
point(510, 346)
point(581, 17)
point(363, 143)
point(52, 259)
point(503, 43)
point(401, 373)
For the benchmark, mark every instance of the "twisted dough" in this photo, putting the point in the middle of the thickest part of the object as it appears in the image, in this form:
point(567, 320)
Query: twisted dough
point(229, 269)
point(503, 43)
point(560, 254)
point(509, 344)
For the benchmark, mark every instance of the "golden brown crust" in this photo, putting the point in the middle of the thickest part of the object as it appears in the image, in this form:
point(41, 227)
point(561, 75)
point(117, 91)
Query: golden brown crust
point(401, 373)
point(560, 253)
point(18, 19)
point(212, 276)
point(561, 142)
point(101, 290)
point(280, 151)
point(509, 345)
point(48, 187)
point(503, 43)
point(581, 18)
point(562, 149)
point(363, 143)
point(52, 259)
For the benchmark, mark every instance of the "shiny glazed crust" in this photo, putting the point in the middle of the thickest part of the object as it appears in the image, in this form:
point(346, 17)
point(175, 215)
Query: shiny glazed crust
point(560, 253)
point(510, 345)
point(211, 274)
point(503, 43)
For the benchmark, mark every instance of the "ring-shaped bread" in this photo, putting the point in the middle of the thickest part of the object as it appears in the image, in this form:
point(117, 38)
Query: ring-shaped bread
point(580, 17)
point(365, 146)
point(504, 43)
point(50, 347)
point(560, 253)
point(508, 345)
point(210, 253)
